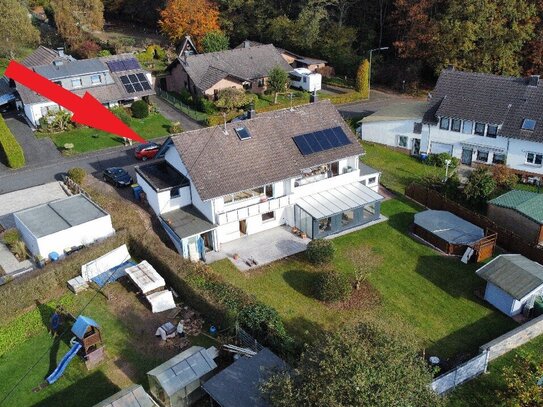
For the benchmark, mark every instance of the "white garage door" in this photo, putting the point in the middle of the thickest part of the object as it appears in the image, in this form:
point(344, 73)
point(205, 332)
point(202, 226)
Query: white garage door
point(438, 148)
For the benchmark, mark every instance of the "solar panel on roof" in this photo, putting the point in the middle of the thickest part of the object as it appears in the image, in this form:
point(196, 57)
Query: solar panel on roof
point(138, 87)
point(125, 80)
point(327, 139)
point(129, 88)
point(115, 66)
point(146, 85)
point(131, 63)
point(141, 77)
point(134, 83)
point(242, 133)
point(133, 78)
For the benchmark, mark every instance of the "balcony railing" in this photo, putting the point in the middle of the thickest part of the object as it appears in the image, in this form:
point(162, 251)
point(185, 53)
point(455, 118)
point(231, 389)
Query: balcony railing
point(252, 210)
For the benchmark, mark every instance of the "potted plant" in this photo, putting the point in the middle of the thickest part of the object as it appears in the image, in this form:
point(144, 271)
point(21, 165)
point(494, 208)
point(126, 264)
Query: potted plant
point(235, 256)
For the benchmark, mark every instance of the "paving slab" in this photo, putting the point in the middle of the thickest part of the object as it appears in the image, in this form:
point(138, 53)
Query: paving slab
point(9, 262)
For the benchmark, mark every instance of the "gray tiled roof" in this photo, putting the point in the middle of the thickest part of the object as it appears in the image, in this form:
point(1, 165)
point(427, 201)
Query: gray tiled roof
point(42, 56)
point(514, 274)
point(301, 58)
point(486, 98)
point(244, 63)
point(220, 164)
point(71, 68)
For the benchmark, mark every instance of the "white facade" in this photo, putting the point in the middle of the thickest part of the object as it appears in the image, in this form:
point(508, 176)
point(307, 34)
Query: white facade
point(464, 144)
point(505, 302)
point(83, 234)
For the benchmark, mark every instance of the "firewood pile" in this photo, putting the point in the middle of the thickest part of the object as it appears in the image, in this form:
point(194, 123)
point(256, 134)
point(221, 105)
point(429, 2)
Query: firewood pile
point(192, 322)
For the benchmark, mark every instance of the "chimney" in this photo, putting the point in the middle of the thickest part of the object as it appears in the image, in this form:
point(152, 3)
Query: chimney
point(60, 52)
point(313, 98)
point(533, 80)
point(246, 44)
point(251, 113)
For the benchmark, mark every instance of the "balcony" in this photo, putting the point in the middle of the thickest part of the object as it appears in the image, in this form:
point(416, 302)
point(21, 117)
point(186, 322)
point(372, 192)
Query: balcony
point(252, 210)
point(321, 173)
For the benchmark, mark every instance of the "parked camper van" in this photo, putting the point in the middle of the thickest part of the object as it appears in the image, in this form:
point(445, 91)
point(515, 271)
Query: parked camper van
point(303, 78)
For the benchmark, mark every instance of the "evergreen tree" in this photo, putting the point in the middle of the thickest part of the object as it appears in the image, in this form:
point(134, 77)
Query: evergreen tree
point(362, 84)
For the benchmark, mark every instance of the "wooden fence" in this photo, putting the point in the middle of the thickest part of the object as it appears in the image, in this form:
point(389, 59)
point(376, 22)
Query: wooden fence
point(507, 239)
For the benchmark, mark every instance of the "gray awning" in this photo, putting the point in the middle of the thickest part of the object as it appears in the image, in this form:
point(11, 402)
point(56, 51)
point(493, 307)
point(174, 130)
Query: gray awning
point(336, 200)
point(483, 147)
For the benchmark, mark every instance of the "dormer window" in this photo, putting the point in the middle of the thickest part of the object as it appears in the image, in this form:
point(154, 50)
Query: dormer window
point(456, 125)
point(444, 123)
point(528, 124)
point(492, 131)
point(96, 79)
point(468, 127)
point(77, 83)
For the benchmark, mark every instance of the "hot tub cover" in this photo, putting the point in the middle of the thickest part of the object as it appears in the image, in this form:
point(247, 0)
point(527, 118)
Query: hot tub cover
point(449, 227)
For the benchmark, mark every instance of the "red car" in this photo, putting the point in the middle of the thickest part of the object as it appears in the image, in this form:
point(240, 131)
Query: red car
point(146, 151)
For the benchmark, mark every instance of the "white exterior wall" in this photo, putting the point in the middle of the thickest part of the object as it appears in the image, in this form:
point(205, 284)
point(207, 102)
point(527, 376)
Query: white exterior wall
point(83, 234)
point(230, 231)
point(506, 303)
point(161, 201)
point(33, 112)
point(387, 132)
point(517, 155)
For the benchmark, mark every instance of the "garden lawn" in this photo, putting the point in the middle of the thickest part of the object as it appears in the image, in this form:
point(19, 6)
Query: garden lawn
point(87, 139)
point(429, 294)
point(399, 169)
point(482, 391)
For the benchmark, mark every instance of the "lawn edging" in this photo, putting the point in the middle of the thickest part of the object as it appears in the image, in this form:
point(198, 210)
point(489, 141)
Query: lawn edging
point(11, 149)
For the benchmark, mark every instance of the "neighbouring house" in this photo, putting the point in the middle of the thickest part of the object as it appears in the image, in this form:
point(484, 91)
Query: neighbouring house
point(478, 118)
point(62, 224)
point(133, 396)
point(520, 212)
point(177, 382)
point(298, 167)
point(239, 384)
point(112, 80)
point(208, 73)
point(513, 281)
point(293, 59)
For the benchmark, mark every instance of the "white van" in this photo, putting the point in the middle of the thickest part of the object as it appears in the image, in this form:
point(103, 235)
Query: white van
point(303, 78)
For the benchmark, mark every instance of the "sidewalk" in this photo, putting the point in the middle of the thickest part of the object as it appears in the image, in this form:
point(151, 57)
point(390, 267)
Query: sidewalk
point(9, 262)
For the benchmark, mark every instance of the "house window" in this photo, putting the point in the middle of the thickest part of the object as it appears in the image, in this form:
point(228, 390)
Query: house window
point(266, 191)
point(444, 123)
point(498, 158)
point(268, 216)
point(261, 83)
point(174, 192)
point(77, 83)
point(402, 141)
point(468, 127)
point(482, 156)
point(96, 79)
point(480, 129)
point(59, 83)
point(534, 159)
point(528, 124)
point(325, 224)
point(372, 180)
point(269, 191)
point(456, 125)
point(369, 211)
point(347, 217)
point(492, 131)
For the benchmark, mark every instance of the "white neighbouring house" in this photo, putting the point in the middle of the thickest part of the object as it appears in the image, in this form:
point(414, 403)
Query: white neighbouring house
point(478, 118)
point(298, 167)
point(112, 80)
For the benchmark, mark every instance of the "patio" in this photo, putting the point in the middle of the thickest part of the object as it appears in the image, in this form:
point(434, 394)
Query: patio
point(264, 247)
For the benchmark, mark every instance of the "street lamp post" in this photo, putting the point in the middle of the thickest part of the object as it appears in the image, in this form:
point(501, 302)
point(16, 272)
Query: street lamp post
point(369, 73)
point(447, 163)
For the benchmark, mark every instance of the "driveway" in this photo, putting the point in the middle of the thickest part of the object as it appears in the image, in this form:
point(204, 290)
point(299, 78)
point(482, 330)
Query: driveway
point(377, 101)
point(170, 113)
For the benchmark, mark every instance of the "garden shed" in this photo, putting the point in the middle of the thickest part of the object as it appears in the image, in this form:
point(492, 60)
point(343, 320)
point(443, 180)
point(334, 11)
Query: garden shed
point(133, 396)
point(62, 224)
point(177, 382)
point(451, 234)
point(239, 384)
point(512, 282)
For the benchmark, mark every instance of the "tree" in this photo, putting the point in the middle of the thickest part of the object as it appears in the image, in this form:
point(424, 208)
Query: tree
point(175, 23)
point(277, 81)
point(357, 366)
point(214, 41)
point(306, 31)
point(504, 176)
point(362, 84)
point(521, 388)
point(363, 259)
point(16, 29)
point(479, 187)
point(76, 19)
point(232, 98)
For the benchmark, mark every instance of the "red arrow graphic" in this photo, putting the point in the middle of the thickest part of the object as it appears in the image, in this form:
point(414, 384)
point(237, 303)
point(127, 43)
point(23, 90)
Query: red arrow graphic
point(86, 110)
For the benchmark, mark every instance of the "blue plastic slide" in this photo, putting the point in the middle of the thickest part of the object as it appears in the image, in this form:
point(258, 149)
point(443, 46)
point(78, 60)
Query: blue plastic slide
point(53, 377)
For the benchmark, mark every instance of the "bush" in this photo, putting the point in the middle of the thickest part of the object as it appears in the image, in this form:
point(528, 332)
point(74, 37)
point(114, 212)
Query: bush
point(438, 160)
point(19, 249)
point(122, 114)
point(320, 251)
point(185, 97)
point(175, 128)
point(331, 285)
point(140, 109)
point(77, 174)
point(504, 176)
point(264, 323)
point(10, 148)
point(11, 236)
point(56, 122)
point(205, 106)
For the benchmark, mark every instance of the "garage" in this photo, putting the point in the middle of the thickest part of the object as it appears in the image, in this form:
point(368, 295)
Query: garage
point(438, 148)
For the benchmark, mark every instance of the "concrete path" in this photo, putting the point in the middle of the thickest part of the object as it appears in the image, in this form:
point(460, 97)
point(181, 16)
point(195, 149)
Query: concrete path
point(170, 113)
point(9, 262)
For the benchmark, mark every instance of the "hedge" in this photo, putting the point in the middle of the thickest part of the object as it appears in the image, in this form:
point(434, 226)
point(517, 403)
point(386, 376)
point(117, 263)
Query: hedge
point(10, 148)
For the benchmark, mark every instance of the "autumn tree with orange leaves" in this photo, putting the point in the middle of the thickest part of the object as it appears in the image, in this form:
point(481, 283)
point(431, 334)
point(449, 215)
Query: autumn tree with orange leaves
point(189, 17)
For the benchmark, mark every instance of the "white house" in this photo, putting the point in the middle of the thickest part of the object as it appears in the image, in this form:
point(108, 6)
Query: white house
point(298, 167)
point(478, 118)
point(62, 224)
point(113, 80)
point(512, 282)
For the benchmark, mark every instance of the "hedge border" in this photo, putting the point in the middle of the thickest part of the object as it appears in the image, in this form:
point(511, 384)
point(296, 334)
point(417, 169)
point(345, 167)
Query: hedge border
point(11, 149)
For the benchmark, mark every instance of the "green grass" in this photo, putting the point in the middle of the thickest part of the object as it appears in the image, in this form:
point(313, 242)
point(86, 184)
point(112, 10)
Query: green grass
point(125, 363)
point(399, 169)
point(430, 294)
point(3, 65)
point(88, 139)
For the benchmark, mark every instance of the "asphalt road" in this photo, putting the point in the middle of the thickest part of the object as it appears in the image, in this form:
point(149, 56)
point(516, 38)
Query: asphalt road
point(377, 101)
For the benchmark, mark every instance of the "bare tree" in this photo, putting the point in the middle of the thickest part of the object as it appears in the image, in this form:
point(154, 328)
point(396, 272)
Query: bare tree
point(363, 260)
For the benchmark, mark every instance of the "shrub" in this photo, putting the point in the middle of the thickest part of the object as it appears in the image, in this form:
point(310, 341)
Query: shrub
point(264, 322)
point(19, 249)
point(104, 53)
point(77, 174)
point(331, 285)
point(438, 160)
point(320, 251)
point(55, 122)
point(504, 176)
point(175, 128)
point(10, 148)
point(362, 79)
point(122, 114)
point(11, 236)
point(479, 187)
point(205, 106)
point(140, 109)
point(185, 97)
